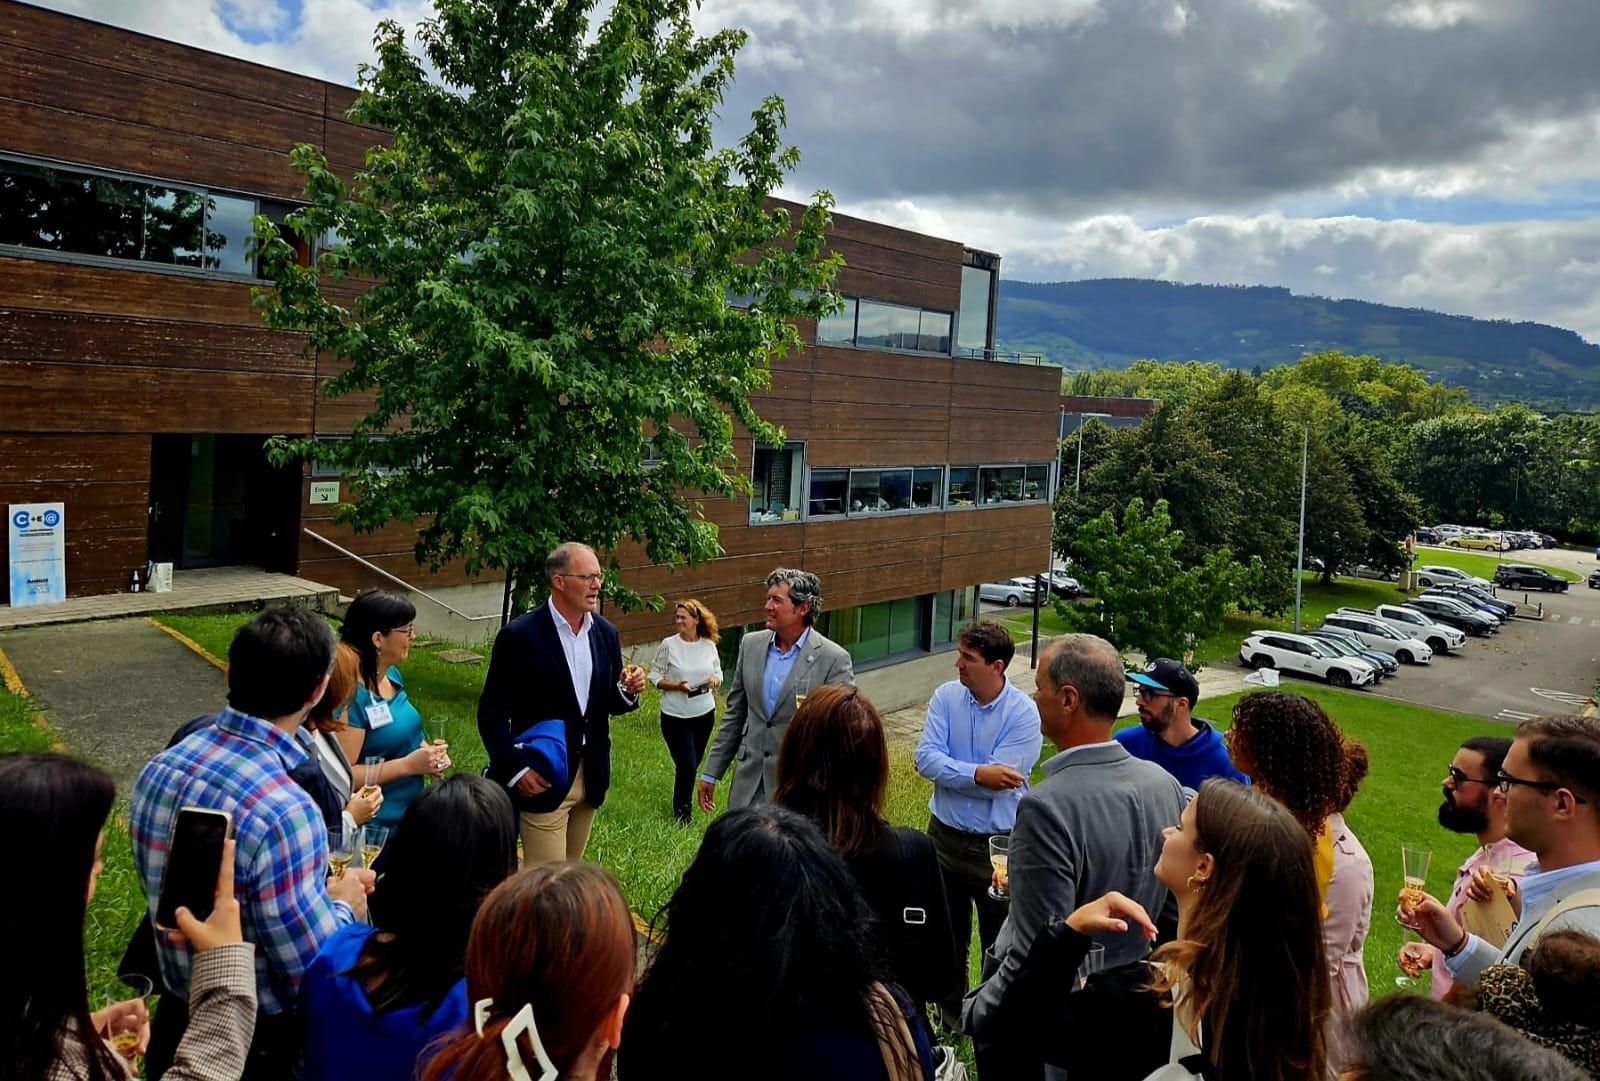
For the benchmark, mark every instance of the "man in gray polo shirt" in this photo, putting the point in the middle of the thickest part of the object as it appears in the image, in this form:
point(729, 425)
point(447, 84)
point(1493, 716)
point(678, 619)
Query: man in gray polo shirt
point(1093, 825)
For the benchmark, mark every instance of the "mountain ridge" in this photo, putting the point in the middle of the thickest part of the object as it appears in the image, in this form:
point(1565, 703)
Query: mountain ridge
point(1110, 322)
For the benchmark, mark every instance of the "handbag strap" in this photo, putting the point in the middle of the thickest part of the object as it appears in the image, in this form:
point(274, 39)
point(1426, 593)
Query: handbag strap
point(903, 1066)
point(1589, 898)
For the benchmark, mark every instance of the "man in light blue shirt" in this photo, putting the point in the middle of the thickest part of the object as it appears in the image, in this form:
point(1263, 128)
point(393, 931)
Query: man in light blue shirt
point(979, 744)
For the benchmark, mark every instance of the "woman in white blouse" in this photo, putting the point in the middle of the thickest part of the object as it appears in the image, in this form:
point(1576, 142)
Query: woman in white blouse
point(686, 670)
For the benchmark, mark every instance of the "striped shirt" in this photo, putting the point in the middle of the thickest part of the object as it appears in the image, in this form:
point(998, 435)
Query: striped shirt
point(241, 765)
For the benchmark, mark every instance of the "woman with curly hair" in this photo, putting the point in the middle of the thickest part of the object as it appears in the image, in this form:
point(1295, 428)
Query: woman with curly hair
point(1295, 754)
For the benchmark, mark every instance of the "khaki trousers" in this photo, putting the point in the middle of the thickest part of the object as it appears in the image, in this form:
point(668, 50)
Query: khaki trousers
point(560, 834)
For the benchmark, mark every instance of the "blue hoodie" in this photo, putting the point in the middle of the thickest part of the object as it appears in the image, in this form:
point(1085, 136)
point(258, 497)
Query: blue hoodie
point(1191, 762)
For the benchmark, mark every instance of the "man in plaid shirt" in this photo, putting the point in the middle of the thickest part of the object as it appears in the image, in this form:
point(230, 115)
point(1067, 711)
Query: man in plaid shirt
point(278, 667)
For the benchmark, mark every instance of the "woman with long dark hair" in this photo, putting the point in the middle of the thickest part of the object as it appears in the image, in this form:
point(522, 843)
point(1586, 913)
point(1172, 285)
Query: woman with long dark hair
point(833, 767)
point(377, 994)
point(383, 722)
point(323, 724)
point(1244, 987)
point(550, 969)
point(769, 917)
point(53, 811)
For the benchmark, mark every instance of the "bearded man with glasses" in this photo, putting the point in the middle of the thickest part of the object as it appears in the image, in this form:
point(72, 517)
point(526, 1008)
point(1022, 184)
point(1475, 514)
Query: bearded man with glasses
point(1472, 804)
point(1549, 782)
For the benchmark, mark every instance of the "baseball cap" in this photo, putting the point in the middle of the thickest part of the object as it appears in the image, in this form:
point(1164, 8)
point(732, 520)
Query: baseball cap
point(1166, 674)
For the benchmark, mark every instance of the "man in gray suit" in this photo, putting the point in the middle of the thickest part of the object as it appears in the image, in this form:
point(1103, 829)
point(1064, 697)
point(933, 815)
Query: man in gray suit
point(776, 667)
point(1093, 825)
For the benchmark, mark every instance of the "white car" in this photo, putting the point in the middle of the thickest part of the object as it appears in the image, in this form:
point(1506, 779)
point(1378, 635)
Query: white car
point(1434, 575)
point(1302, 655)
point(1380, 636)
point(1011, 593)
point(1418, 624)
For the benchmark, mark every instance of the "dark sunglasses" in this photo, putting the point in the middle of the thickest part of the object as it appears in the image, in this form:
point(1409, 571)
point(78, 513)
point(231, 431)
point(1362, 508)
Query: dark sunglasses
point(1151, 692)
point(1505, 781)
point(1459, 776)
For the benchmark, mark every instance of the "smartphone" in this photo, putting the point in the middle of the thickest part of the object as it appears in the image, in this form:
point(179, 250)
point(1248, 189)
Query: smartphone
point(194, 859)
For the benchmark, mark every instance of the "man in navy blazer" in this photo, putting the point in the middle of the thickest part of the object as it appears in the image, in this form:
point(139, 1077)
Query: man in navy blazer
point(563, 660)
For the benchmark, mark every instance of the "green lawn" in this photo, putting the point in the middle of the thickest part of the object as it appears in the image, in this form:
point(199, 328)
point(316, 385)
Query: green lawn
point(1483, 564)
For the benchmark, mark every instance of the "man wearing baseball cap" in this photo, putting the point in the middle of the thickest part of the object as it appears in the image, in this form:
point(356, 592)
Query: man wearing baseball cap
point(1185, 746)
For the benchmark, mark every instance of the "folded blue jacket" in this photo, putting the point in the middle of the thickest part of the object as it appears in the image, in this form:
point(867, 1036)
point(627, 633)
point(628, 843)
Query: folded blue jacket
point(543, 749)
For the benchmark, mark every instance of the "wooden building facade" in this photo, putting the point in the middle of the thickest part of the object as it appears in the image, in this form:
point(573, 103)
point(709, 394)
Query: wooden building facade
point(137, 386)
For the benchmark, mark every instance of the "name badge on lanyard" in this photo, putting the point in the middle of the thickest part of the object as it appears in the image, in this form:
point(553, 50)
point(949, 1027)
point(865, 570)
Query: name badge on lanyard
point(378, 714)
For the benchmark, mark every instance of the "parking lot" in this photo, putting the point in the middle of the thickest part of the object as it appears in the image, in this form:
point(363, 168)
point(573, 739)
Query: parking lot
point(1532, 667)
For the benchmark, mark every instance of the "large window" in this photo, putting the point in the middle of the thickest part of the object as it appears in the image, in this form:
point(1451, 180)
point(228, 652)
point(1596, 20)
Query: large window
point(874, 491)
point(877, 324)
point(775, 483)
point(72, 212)
point(927, 488)
point(963, 485)
point(1013, 483)
point(952, 610)
point(973, 335)
point(830, 488)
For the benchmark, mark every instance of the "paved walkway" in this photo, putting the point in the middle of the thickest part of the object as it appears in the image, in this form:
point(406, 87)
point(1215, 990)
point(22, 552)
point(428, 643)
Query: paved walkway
point(1215, 681)
point(216, 589)
point(114, 690)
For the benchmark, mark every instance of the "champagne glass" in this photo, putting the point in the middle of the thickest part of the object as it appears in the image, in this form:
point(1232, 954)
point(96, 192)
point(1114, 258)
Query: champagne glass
point(999, 854)
point(802, 689)
point(373, 838)
point(1414, 861)
point(125, 1031)
point(372, 765)
point(341, 850)
point(436, 731)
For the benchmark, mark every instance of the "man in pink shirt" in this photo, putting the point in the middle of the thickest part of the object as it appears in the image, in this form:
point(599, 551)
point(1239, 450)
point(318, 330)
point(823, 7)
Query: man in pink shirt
point(1471, 805)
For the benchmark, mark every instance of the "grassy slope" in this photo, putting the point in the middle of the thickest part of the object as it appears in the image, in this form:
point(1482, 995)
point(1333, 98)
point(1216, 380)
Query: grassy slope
point(1483, 564)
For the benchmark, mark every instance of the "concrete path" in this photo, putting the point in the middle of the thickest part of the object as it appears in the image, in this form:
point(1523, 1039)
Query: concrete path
point(113, 690)
point(1215, 680)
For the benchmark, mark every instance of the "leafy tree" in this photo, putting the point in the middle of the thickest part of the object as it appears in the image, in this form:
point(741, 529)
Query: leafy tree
point(549, 245)
point(1147, 597)
point(1473, 467)
point(1336, 530)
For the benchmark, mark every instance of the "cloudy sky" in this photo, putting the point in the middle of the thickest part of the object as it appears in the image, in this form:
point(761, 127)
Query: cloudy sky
point(1437, 153)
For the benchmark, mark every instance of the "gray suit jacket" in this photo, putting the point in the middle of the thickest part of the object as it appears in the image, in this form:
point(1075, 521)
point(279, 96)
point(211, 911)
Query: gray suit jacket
point(748, 737)
point(1091, 826)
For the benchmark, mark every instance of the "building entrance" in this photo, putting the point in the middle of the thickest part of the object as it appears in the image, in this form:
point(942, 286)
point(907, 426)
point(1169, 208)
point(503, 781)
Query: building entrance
point(215, 500)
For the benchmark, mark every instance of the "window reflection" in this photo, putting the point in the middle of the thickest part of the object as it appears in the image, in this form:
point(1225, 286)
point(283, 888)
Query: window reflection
point(227, 229)
point(829, 488)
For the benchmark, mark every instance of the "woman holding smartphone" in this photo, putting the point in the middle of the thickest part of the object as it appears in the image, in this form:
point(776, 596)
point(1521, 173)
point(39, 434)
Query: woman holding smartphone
point(53, 811)
point(382, 722)
point(686, 670)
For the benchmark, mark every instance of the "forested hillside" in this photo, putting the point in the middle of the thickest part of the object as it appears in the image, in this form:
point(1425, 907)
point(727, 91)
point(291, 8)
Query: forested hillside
point(1108, 323)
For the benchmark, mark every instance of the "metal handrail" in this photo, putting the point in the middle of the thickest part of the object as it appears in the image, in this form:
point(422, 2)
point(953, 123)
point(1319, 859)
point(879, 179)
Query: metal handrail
point(1000, 356)
point(371, 566)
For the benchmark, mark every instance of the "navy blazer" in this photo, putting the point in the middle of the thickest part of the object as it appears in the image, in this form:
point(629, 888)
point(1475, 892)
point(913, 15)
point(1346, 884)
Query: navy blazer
point(529, 681)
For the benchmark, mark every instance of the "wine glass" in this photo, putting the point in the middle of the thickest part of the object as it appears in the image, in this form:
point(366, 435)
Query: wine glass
point(1414, 861)
point(372, 765)
point(999, 856)
point(1093, 961)
point(373, 838)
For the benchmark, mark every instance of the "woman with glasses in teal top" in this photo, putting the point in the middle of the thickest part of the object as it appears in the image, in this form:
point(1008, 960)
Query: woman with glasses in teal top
point(383, 724)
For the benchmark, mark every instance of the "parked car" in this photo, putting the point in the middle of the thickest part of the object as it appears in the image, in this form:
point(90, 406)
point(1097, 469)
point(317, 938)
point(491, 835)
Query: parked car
point(1012, 592)
point(1483, 542)
point(1522, 576)
point(1426, 535)
point(1547, 541)
point(1302, 655)
point(1594, 579)
point(1064, 585)
point(1474, 596)
point(1440, 639)
point(1351, 646)
point(1379, 635)
point(1432, 574)
point(1366, 570)
point(1454, 613)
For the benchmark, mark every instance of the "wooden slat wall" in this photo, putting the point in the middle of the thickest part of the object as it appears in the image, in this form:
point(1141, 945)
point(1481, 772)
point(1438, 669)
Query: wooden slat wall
point(104, 482)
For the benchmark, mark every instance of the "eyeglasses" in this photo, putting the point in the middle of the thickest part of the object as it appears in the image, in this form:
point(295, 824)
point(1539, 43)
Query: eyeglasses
point(1150, 692)
point(588, 579)
point(409, 630)
point(1504, 780)
point(1459, 776)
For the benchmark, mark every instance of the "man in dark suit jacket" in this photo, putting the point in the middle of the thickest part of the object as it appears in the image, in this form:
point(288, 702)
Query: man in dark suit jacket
point(561, 661)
